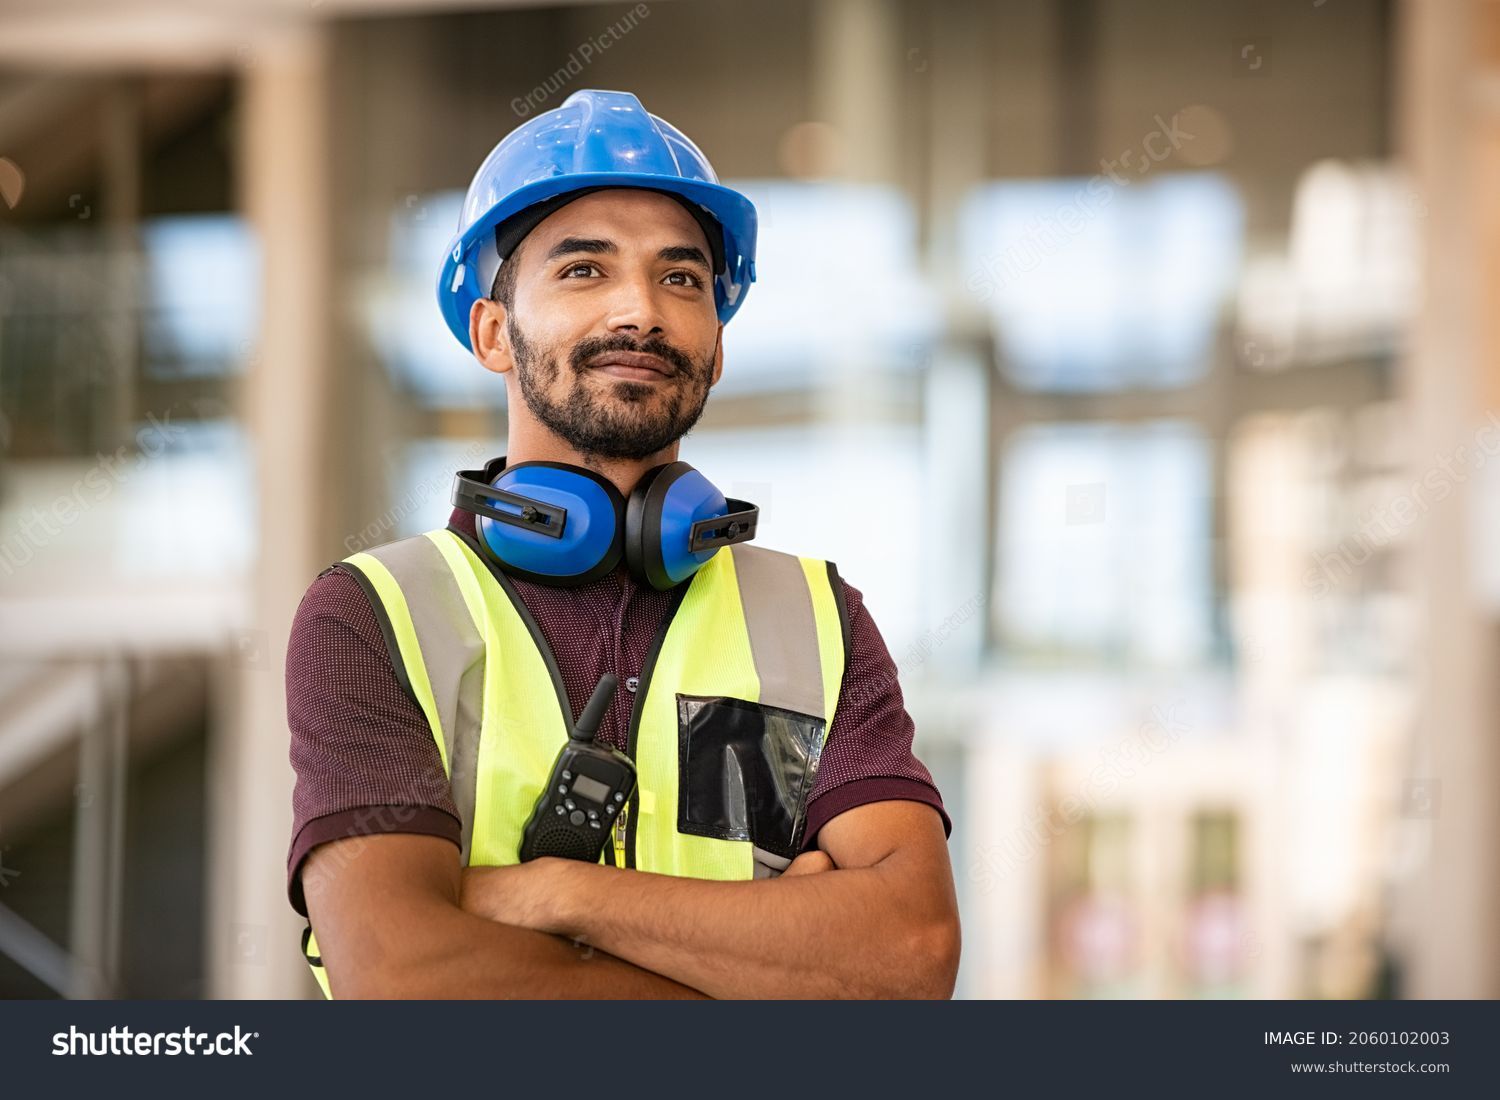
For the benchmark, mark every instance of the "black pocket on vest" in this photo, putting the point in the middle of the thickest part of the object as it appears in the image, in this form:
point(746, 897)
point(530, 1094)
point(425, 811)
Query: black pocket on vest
point(745, 770)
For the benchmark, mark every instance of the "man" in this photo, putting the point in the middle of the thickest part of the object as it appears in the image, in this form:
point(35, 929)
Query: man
point(617, 272)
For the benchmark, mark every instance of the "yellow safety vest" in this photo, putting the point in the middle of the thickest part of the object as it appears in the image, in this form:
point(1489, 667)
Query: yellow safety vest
point(730, 715)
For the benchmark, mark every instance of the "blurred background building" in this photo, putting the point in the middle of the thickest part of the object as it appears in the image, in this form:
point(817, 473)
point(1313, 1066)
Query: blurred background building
point(1160, 336)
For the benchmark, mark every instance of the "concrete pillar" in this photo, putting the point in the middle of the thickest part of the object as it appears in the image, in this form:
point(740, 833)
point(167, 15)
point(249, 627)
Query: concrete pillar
point(1447, 913)
point(856, 73)
point(285, 157)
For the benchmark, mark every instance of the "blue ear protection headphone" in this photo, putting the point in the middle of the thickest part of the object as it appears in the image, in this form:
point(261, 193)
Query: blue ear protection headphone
point(562, 525)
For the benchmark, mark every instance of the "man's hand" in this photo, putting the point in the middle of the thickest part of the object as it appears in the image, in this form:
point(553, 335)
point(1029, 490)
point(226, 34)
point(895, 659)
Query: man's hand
point(809, 863)
point(519, 894)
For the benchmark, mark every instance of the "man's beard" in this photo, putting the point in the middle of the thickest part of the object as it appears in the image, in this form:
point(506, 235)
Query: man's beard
point(634, 422)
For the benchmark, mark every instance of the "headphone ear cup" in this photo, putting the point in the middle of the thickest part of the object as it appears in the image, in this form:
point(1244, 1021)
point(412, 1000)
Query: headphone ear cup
point(659, 520)
point(590, 542)
point(643, 534)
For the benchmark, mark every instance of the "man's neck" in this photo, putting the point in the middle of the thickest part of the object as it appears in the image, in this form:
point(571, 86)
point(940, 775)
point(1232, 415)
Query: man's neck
point(623, 473)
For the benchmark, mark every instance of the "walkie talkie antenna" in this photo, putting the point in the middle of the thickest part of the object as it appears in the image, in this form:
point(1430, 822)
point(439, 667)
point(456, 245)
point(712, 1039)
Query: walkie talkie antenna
point(593, 710)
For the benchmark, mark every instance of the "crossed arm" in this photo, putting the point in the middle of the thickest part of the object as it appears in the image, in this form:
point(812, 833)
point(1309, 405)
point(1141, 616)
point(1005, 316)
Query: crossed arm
point(871, 914)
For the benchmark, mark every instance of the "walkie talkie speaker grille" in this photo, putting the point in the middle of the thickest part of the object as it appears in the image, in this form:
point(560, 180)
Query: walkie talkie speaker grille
point(555, 838)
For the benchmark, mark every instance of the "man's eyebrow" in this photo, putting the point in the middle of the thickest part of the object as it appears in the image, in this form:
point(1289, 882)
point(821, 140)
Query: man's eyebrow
point(677, 253)
point(684, 253)
point(569, 245)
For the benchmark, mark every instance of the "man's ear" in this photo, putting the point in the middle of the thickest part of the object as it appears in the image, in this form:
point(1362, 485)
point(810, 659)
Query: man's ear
point(489, 336)
point(718, 355)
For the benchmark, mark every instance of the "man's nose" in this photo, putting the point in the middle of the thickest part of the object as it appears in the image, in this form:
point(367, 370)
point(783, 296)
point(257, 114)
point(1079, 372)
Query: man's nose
point(634, 308)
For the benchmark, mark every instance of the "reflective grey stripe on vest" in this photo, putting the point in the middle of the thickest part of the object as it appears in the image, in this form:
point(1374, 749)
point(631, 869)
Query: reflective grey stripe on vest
point(783, 632)
point(453, 653)
point(783, 644)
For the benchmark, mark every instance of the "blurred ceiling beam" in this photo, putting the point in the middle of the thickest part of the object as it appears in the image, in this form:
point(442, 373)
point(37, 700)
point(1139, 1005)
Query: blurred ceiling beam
point(201, 35)
point(59, 130)
point(49, 128)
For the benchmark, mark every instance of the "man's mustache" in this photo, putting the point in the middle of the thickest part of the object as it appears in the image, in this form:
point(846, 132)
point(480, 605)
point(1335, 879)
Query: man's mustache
point(586, 349)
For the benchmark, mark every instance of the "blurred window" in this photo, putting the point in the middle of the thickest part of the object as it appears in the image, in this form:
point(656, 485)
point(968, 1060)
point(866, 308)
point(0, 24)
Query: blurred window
point(202, 296)
point(1094, 286)
point(1347, 281)
point(1104, 542)
point(839, 287)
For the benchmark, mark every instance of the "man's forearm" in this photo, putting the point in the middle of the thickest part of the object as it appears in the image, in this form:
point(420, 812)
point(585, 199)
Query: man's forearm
point(388, 910)
point(838, 934)
point(461, 956)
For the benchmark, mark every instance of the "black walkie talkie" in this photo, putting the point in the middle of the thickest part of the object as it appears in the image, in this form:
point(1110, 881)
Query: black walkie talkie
point(588, 789)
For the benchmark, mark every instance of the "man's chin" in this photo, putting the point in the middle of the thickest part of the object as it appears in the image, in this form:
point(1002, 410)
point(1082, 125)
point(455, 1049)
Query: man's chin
point(628, 442)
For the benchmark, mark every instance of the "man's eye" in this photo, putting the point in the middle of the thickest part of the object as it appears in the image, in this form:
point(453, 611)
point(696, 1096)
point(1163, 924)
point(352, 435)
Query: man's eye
point(693, 280)
point(568, 272)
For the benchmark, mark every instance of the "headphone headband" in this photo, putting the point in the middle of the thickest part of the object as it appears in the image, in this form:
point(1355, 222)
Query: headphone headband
point(470, 493)
point(738, 526)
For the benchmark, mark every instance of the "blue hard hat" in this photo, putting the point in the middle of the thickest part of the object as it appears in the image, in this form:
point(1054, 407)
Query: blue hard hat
point(595, 139)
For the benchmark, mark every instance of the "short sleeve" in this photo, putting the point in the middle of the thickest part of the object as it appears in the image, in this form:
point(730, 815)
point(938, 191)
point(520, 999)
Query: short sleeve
point(363, 754)
point(868, 756)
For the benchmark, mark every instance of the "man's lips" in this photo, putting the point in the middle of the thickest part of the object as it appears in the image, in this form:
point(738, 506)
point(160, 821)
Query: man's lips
point(631, 364)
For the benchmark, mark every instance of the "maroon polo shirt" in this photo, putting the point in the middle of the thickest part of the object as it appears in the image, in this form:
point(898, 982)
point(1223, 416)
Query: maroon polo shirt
point(366, 761)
